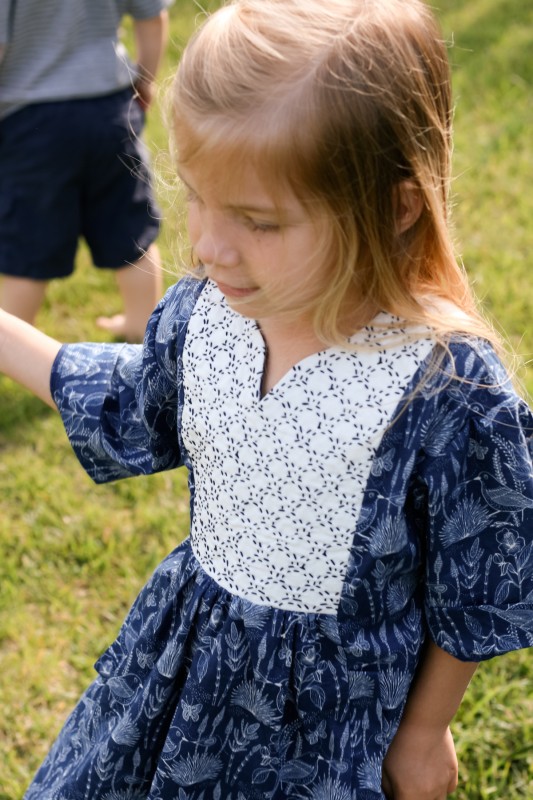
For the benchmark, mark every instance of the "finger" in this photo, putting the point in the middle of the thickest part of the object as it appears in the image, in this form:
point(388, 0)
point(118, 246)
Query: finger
point(141, 101)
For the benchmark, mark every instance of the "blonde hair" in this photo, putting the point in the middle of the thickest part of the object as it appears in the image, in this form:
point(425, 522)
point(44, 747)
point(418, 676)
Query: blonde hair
point(342, 101)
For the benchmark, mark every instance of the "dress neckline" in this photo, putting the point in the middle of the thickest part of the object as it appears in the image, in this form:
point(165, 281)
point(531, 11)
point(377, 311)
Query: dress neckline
point(298, 366)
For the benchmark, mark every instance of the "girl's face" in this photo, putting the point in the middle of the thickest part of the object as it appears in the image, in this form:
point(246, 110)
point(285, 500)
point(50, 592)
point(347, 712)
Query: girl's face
point(266, 256)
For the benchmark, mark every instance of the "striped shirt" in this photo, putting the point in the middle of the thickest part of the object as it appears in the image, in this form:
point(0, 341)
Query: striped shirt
point(63, 49)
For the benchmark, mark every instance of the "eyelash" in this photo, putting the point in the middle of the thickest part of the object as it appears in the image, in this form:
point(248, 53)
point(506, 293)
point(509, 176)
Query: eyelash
point(261, 227)
point(251, 224)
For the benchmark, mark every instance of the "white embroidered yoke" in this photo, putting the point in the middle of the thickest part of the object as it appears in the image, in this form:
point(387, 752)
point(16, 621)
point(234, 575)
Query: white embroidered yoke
point(279, 479)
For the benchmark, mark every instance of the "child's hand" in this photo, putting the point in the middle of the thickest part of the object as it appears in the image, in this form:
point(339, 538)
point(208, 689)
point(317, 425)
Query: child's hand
point(420, 765)
point(144, 92)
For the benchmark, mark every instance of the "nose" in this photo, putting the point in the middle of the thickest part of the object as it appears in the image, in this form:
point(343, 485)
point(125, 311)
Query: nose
point(214, 245)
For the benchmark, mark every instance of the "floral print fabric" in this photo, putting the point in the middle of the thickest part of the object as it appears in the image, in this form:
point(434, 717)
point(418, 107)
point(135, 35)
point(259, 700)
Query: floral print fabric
point(208, 694)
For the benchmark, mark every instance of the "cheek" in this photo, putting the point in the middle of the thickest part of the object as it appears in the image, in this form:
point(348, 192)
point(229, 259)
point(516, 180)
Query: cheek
point(193, 224)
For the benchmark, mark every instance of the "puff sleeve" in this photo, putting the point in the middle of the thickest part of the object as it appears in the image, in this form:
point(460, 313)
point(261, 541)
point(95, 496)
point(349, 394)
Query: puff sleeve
point(120, 403)
point(477, 490)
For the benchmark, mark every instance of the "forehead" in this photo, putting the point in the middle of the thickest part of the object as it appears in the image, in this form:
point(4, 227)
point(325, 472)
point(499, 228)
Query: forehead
point(227, 179)
point(219, 172)
point(231, 153)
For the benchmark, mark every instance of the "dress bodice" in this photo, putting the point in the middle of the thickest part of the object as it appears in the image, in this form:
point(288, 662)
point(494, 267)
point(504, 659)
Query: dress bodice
point(279, 480)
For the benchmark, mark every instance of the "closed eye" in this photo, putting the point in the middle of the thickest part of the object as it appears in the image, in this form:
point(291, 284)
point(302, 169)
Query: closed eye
point(190, 196)
point(256, 225)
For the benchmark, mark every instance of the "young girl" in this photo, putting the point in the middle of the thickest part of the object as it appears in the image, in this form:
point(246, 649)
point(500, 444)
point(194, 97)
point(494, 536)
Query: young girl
point(361, 481)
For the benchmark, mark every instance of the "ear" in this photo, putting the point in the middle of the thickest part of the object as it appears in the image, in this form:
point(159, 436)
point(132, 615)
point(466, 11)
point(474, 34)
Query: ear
point(409, 204)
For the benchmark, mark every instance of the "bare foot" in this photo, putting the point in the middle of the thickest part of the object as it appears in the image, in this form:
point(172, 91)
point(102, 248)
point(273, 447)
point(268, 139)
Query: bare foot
point(118, 328)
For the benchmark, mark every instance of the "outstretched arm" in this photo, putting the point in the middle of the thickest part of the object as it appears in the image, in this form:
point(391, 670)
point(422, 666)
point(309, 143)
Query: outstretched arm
point(421, 763)
point(151, 39)
point(27, 355)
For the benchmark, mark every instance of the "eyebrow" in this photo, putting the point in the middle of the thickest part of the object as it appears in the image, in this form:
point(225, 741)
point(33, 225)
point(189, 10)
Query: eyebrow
point(284, 212)
point(257, 209)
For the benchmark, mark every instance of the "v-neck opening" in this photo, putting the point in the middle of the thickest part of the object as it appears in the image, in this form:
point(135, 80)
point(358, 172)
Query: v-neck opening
point(263, 397)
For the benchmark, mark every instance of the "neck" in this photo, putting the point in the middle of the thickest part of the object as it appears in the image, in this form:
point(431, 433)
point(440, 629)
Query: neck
point(290, 334)
point(286, 345)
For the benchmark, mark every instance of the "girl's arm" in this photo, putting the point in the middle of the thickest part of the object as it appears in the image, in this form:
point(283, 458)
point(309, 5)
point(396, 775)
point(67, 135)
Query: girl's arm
point(150, 39)
point(421, 763)
point(27, 355)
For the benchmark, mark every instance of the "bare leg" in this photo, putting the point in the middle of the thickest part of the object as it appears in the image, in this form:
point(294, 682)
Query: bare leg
point(22, 297)
point(141, 287)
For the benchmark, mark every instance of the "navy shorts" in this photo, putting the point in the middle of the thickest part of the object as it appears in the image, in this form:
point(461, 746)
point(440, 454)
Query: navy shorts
point(69, 169)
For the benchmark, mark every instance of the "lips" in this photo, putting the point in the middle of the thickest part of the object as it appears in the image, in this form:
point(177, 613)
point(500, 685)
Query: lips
point(234, 291)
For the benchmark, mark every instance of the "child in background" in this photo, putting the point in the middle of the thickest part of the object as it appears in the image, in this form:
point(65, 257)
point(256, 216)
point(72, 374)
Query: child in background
point(72, 162)
point(360, 466)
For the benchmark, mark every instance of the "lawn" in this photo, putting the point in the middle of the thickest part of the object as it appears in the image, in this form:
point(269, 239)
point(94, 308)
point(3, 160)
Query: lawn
point(74, 555)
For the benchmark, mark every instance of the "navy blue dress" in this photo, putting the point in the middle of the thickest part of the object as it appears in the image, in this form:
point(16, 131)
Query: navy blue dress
point(336, 523)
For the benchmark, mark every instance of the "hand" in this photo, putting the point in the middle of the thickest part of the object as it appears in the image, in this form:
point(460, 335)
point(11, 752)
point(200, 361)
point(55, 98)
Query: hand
point(144, 92)
point(420, 765)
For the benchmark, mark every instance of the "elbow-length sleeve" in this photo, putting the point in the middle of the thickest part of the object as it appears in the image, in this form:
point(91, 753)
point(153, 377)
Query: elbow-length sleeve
point(477, 494)
point(120, 403)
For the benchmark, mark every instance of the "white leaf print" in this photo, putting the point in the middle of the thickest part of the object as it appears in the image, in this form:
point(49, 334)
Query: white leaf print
point(469, 518)
point(394, 686)
point(126, 732)
point(249, 696)
point(331, 789)
point(296, 771)
point(370, 774)
point(389, 536)
point(169, 660)
point(124, 689)
point(195, 769)
point(361, 685)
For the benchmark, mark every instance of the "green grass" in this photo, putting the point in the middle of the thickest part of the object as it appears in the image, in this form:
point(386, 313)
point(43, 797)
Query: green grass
point(493, 80)
point(73, 555)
